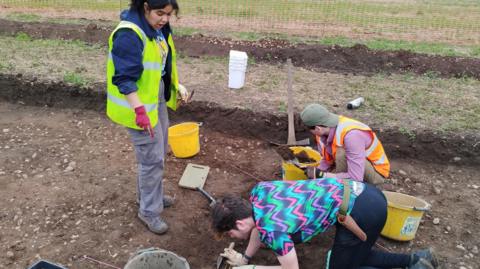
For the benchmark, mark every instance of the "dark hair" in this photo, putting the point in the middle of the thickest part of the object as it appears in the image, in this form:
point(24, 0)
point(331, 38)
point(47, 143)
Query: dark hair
point(227, 211)
point(154, 4)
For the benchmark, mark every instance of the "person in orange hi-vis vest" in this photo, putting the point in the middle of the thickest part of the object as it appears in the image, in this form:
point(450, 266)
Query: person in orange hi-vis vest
point(349, 148)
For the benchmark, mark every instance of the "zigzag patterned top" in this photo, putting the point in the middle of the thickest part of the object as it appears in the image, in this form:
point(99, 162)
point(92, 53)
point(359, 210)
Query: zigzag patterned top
point(288, 212)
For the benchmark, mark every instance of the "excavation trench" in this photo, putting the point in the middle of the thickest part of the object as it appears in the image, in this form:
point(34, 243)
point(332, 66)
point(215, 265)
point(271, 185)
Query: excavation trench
point(425, 145)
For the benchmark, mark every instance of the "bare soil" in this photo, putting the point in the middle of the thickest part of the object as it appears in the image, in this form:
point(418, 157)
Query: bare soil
point(67, 174)
point(354, 60)
point(67, 177)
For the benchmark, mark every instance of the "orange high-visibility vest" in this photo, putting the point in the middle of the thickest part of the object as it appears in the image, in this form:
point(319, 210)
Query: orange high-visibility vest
point(375, 152)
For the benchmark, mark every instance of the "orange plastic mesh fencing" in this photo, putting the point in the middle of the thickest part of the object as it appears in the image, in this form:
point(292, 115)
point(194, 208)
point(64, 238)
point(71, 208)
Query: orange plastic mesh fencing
point(450, 21)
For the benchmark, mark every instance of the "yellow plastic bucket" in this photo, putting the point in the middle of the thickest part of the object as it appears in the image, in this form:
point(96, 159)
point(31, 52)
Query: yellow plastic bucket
point(404, 215)
point(292, 172)
point(184, 139)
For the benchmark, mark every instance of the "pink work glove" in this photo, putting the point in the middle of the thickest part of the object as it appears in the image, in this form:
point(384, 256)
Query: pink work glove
point(142, 120)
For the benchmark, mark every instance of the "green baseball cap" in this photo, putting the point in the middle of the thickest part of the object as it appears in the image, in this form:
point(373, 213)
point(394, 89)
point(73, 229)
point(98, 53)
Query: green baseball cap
point(315, 114)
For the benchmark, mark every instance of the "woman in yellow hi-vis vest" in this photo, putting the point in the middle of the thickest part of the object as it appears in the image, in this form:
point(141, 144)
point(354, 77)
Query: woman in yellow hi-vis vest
point(142, 82)
point(349, 148)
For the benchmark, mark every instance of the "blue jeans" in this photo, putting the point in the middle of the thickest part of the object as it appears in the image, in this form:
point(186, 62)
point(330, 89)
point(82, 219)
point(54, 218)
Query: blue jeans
point(348, 251)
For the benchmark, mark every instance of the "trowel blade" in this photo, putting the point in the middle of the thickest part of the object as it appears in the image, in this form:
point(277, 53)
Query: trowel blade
point(220, 262)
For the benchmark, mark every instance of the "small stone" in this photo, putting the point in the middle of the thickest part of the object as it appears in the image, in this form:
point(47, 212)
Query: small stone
point(6, 130)
point(457, 159)
point(10, 255)
point(475, 187)
point(475, 250)
point(68, 169)
point(436, 221)
point(401, 172)
point(461, 247)
point(448, 228)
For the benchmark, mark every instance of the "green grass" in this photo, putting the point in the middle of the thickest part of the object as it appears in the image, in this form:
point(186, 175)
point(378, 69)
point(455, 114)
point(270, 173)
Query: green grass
point(31, 17)
point(49, 59)
point(5, 66)
point(74, 78)
point(447, 104)
point(407, 132)
point(408, 101)
point(21, 36)
point(433, 48)
point(24, 37)
point(376, 15)
point(418, 47)
point(282, 107)
point(185, 31)
point(26, 17)
point(72, 4)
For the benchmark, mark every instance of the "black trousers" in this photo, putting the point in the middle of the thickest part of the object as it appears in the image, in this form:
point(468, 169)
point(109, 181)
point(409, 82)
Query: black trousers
point(349, 252)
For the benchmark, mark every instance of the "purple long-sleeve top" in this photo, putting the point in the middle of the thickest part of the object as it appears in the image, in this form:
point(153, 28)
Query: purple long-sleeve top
point(355, 144)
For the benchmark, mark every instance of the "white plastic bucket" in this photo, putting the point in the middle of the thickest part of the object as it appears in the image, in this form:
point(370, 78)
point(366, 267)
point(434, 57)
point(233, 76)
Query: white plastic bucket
point(154, 258)
point(237, 67)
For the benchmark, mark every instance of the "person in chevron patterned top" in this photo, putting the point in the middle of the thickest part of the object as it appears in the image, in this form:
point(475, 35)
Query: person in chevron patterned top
point(281, 214)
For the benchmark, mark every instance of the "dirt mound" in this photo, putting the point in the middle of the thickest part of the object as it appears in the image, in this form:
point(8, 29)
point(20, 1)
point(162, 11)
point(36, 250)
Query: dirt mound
point(357, 59)
point(426, 146)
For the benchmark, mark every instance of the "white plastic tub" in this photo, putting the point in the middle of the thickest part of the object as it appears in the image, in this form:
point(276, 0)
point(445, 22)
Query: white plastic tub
point(237, 68)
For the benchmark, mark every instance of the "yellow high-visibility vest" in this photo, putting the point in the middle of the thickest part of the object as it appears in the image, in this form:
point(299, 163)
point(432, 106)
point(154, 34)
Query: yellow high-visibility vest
point(118, 108)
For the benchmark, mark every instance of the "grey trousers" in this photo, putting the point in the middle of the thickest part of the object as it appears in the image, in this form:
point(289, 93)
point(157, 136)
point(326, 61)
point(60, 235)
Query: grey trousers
point(150, 153)
point(370, 175)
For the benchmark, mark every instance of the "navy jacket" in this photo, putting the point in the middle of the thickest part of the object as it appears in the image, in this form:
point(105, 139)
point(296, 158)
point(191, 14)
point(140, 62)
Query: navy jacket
point(127, 53)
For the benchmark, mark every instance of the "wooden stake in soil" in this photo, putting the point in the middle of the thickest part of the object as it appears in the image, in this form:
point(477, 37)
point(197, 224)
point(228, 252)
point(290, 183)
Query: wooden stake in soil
point(291, 124)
